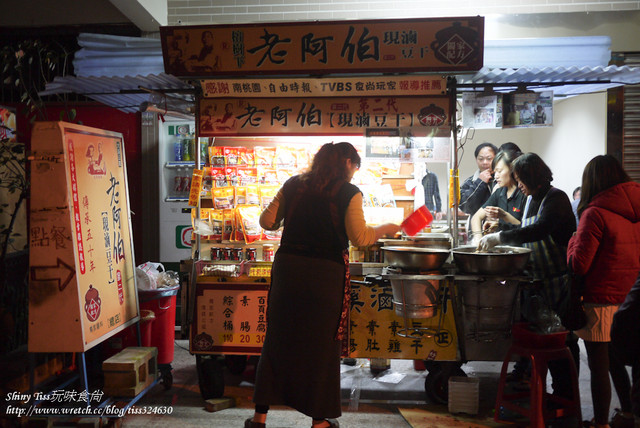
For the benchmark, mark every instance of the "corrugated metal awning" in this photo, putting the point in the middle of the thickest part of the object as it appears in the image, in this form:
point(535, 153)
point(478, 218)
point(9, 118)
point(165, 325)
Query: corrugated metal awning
point(123, 93)
point(125, 64)
point(564, 81)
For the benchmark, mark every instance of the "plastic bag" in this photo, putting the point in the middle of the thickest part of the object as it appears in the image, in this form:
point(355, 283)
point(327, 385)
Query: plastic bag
point(168, 279)
point(147, 275)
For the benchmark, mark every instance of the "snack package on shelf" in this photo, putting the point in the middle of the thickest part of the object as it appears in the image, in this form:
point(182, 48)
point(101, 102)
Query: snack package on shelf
point(285, 158)
point(216, 156)
point(232, 175)
point(249, 220)
point(231, 155)
point(202, 226)
point(216, 220)
point(218, 176)
point(246, 156)
point(246, 175)
point(247, 195)
point(223, 197)
point(267, 193)
point(240, 195)
point(253, 194)
point(228, 220)
point(265, 156)
point(237, 227)
point(267, 175)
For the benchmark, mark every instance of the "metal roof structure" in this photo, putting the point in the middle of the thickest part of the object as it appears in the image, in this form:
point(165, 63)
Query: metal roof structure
point(124, 72)
point(564, 81)
point(124, 93)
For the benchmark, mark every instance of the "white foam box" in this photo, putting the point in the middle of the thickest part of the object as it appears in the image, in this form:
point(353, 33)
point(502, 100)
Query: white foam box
point(464, 394)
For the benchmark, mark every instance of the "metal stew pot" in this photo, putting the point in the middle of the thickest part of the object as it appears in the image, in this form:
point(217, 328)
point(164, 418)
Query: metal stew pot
point(500, 260)
point(415, 258)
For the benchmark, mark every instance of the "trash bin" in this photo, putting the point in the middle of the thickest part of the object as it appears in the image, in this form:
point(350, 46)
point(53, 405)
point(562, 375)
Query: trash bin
point(129, 336)
point(163, 304)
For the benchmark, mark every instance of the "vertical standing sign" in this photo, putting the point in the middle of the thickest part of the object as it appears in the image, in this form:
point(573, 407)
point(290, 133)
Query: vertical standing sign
point(82, 273)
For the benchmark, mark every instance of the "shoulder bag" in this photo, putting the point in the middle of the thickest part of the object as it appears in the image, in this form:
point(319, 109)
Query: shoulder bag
point(573, 317)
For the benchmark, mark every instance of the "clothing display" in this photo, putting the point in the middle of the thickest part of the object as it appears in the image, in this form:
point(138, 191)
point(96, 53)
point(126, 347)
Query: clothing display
point(431, 192)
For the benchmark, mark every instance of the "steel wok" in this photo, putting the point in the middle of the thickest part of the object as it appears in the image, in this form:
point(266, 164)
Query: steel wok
point(500, 260)
point(415, 258)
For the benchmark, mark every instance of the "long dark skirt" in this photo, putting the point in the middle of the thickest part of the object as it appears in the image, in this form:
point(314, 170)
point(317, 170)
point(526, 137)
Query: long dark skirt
point(300, 362)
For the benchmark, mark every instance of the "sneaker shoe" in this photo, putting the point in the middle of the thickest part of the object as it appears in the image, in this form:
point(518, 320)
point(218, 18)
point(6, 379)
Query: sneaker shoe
point(622, 419)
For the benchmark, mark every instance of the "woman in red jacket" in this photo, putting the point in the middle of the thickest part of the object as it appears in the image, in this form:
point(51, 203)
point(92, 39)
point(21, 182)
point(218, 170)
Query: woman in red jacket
point(606, 250)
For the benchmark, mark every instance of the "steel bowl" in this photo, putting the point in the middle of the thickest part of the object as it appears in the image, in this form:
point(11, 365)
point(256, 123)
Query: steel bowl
point(500, 260)
point(415, 258)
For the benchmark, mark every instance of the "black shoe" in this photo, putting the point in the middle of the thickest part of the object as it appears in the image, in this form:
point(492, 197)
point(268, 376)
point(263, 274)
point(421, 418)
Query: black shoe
point(250, 424)
point(333, 423)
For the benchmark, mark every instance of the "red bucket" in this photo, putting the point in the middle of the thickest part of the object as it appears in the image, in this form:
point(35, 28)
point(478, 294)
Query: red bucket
point(163, 304)
point(417, 221)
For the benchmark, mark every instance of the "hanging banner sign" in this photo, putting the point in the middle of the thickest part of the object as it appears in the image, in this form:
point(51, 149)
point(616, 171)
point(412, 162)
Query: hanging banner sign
point(373, 46)
point(318, 116)
point(325, 87)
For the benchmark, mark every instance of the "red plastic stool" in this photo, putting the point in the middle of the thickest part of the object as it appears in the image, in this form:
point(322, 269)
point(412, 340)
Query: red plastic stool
point(540, 349)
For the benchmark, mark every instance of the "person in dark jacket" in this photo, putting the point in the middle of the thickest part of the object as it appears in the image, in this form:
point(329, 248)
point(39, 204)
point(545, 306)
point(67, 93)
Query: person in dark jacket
point(476, 189)
point(307, 307)
point(546, 227)
point(625, 340)
point(606, 250)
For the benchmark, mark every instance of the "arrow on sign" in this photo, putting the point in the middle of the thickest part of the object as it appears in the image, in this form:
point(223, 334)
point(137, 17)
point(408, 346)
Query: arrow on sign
point(54, 273)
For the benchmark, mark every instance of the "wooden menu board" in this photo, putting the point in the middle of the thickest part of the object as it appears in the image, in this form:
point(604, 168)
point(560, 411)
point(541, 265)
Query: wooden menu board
point(81, 266)
point(415, 45)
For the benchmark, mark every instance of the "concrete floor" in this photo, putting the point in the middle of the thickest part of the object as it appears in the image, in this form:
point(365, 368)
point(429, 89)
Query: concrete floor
point(379, 404)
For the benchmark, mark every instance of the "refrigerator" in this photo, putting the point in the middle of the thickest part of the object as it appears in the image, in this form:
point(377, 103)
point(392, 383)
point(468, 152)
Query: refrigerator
point(176, 159)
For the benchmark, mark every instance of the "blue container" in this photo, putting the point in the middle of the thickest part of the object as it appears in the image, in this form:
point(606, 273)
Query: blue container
point(177, 151)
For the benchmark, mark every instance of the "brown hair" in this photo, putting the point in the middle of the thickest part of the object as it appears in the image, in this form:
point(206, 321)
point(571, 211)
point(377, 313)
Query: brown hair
point(601, 173)
point(330, 164)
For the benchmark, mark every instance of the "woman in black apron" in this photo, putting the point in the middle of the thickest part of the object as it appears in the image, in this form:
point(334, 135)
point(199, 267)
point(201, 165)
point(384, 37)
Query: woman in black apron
point(547, 225)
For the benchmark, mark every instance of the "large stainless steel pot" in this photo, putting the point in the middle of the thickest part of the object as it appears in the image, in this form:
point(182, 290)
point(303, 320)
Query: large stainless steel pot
point(500, 260)
point(415, 298)
point(415, 258)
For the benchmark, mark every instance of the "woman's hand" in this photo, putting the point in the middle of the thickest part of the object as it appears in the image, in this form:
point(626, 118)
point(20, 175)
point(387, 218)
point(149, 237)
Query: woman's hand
point(489, 226)
point(387, 229)
point(495, 213)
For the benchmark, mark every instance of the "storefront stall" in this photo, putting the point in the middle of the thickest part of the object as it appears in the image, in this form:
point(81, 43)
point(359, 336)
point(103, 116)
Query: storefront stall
point(388, 87)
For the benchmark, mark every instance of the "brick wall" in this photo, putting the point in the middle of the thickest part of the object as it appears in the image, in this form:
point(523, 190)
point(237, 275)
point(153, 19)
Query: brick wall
point(191, 12)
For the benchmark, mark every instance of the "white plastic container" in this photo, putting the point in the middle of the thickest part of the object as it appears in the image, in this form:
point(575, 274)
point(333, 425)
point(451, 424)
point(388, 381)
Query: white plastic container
point(464, 394)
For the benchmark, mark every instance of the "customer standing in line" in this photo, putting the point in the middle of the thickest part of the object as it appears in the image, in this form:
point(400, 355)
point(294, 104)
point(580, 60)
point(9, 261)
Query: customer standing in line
point(547, 224)
point(476, 189)
point(307, 312)
point(606, 250)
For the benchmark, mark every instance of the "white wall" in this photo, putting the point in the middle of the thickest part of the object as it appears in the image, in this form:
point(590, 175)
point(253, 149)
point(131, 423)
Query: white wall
point(577, 135)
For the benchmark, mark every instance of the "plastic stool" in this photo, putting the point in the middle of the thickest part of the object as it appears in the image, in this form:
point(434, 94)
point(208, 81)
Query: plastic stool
point(537, 412)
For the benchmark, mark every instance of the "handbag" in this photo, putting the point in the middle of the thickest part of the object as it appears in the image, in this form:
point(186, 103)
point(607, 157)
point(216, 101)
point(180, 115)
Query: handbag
point(573, 316)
